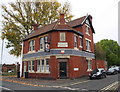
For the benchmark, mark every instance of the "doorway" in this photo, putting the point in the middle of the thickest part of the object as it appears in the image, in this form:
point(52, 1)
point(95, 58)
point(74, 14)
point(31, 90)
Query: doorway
point(63, 69)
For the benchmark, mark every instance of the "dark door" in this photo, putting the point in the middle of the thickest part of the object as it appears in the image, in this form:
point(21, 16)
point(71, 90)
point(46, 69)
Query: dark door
point(63, 69)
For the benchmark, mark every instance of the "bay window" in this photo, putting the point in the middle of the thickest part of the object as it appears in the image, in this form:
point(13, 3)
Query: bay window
point(31, 66)
point(43, 65)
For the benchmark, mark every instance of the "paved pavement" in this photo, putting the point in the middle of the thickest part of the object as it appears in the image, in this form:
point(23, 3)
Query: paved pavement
point(81, 84)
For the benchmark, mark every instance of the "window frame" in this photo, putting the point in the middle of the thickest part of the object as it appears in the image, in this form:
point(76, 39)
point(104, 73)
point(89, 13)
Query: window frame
point(87, 29)
point(80, 41)
point(89, 64)
point(62, 36)
point(42, 43)
point(75, 41)
point(31, 66)
point(31, 45)
point(88, 45)
point(44, 68)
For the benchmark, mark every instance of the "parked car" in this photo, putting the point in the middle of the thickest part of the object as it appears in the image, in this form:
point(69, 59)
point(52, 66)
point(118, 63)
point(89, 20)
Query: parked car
point(98, 73)
point(113, 70)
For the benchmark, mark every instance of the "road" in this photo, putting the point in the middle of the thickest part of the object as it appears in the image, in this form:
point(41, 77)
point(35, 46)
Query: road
point(96, 84)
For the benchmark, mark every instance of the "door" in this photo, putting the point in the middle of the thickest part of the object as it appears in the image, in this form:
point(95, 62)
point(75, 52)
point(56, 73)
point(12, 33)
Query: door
point(63, 69)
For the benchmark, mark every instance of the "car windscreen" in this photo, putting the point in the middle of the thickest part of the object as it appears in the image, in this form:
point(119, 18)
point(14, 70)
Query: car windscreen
point(95, 71)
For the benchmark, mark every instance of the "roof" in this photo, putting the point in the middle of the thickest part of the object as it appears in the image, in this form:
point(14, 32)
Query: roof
point(60, 26)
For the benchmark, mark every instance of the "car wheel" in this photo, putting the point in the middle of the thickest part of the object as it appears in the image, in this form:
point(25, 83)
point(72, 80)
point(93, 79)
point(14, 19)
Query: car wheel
point(114, 73)
point(101, 77)
point(105, 76)
point(90, 78)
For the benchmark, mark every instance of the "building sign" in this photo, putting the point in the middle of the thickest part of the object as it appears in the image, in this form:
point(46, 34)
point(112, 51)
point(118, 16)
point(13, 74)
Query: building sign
point(76, 69)
point(62, 44)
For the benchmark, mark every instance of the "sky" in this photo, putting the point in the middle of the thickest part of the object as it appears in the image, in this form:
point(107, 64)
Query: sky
point(105, 21)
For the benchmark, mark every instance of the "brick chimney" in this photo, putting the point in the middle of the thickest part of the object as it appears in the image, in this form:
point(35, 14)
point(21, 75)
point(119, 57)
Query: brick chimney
point(35, 26)
point(62, 19)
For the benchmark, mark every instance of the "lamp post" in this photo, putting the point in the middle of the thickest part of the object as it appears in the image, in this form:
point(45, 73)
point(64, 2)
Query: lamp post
point(2, 51)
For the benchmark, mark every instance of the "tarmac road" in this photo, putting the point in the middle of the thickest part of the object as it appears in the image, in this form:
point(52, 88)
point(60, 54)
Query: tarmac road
point(85, 85)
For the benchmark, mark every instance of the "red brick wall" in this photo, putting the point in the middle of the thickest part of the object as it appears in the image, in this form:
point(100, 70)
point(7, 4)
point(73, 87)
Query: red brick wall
point(101, 64)
point(25, 47)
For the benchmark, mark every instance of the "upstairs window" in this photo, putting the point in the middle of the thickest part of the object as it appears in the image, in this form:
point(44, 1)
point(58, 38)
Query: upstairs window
point(80, 41)
point(87, 30)
point(75, 41)
point(41, 43)
point(87, 22)
point(32, 45)
point(88, 48)
point(62, 36)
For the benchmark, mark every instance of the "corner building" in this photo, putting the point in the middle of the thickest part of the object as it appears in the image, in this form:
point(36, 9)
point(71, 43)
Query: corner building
point(60, 50)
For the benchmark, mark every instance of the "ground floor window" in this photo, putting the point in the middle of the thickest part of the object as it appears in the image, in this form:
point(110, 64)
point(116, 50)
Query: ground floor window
point(31, 66)
point(89, 61)
point(43, 65)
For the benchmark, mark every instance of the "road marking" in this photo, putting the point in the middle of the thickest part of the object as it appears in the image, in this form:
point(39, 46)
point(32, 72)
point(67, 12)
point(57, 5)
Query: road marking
point(4, 88)
point(75, 83)
point(110, 86)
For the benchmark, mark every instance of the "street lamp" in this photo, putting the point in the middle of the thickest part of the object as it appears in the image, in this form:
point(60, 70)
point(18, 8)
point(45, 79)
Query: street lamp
point(2, 51)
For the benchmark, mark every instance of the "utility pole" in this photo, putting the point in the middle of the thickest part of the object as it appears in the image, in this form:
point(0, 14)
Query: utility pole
point(2, 53)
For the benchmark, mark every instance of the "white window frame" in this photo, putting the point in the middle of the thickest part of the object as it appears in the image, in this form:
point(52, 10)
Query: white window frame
point(38, 66)
point(32, 45)
point(89, 61)
point(43, 68)
point(47, 65)
point(81, 42)
point(88, 45)
point(75, 41)
point(31, 65)
point(62, 36)
point(87, 29)
point(87, 22)
point(42, 43)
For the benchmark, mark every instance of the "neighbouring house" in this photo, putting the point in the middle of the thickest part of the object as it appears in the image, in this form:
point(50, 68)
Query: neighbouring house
point(60, 50)
point(10, 67)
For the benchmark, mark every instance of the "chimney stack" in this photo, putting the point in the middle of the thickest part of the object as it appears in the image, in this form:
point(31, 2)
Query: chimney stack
point(35, 26)
point(62, 19)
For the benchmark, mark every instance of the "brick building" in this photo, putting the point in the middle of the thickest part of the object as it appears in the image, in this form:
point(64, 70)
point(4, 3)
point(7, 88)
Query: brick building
point(10, 67)
point(60, 50)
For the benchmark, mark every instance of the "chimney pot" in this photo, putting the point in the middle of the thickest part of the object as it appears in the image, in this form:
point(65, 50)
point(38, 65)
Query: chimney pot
point(35, 27)
point(62, 19)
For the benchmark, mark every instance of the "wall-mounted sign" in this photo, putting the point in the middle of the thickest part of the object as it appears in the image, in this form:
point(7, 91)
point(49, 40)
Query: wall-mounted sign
point(76, 69)
point(62, 52)
point(62, 44)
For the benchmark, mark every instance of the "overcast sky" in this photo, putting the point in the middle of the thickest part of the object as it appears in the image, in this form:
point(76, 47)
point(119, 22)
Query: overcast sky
point(105, 20)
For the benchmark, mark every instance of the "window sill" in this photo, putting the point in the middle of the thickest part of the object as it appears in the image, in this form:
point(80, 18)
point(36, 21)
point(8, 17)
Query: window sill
point(43, 72)
point(81, 46)
point(88, 50)
point(76, 48)
point(31, 71)
point(31, 51)
point(89, 70)
point(40, 50)
point(88, 34)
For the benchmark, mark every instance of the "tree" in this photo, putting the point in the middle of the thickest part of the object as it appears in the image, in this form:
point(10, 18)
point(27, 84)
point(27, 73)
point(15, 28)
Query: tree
point(100, 54)
point(112, 50)
point(18, 20)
